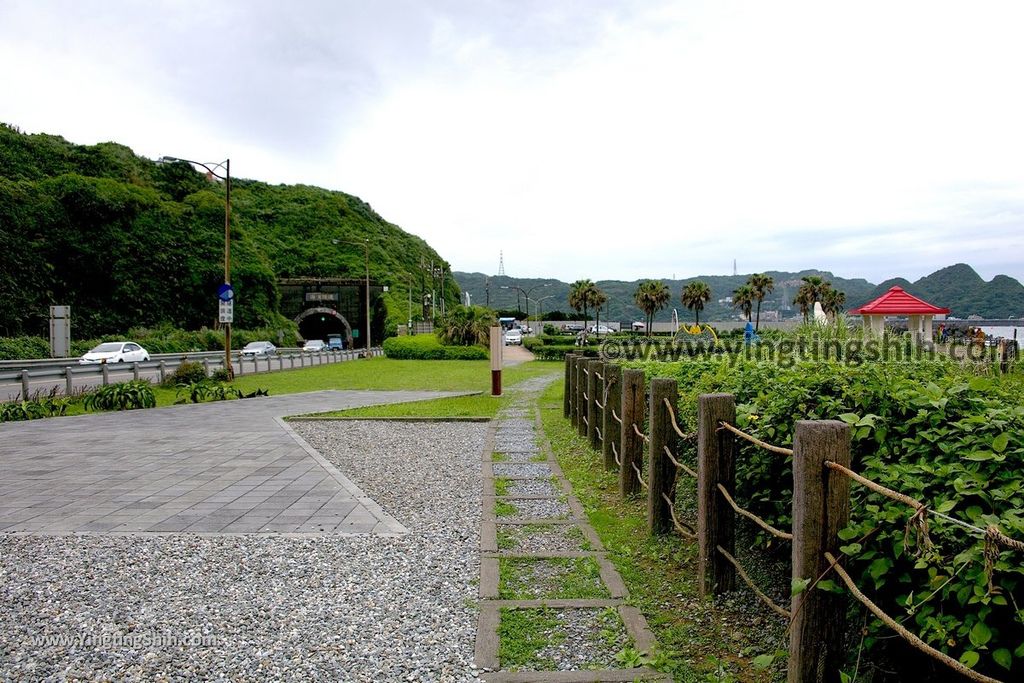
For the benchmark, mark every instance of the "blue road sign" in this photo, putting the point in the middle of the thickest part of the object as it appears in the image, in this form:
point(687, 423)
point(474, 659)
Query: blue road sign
point(225, 292)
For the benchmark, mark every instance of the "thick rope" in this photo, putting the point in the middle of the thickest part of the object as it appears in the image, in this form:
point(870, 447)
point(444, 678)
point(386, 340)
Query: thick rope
point(674, 423)
point(912, 639)
point(877, 488)
point(754, 518)
point(598, 404)
point(616, 417)
point(599, 435)
point(685, 530)
point(639, 475)
point(678, 464)
point(586, 421)
point(781, 611)
point(598, 375)
point(755, 440)
point(585, 397)
point(640, 434)
point(615, 452)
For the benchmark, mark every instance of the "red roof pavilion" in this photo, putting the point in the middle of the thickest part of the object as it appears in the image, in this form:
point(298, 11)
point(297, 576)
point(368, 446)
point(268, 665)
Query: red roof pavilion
point(898, 302)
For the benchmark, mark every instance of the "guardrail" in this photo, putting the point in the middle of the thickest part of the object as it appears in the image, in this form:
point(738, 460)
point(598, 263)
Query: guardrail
point(66, 376)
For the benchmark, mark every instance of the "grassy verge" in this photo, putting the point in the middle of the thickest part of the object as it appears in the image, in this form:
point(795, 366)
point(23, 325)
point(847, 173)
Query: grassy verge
point(698, 642)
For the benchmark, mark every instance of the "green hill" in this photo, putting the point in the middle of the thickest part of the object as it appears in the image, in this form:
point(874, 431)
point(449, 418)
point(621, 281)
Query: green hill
point(129, 242)
point(964, 292)
point(959, 287)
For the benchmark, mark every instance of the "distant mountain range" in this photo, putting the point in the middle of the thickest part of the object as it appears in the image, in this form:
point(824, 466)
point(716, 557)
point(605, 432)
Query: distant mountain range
point(958, 287)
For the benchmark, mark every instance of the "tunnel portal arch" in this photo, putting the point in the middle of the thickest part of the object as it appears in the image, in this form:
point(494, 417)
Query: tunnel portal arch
point(320, 321)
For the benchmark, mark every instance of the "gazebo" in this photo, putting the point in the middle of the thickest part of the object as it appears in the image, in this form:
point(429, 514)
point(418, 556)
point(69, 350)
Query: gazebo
point(897, 302)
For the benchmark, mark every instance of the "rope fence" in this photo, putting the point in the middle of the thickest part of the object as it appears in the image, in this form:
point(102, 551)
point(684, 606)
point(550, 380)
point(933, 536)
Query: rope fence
point(615, 452)
point(636, 430)
point(615, 416)
point(684, 529)
point(781, 611)
point(786, 536)
point(679, 465)
point(754, 440)
point(912, 639)
point(639, 474)
point(686, 436)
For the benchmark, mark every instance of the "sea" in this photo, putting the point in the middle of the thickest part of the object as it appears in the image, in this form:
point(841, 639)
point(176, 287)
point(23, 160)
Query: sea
point(1005, 332)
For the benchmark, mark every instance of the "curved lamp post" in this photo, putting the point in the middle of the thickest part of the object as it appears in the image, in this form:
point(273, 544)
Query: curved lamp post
point(211, 169)
point(526, 293)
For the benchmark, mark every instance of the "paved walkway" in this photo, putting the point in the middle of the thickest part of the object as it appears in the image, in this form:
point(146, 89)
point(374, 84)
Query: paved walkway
point(534, 535)
point(225, 467)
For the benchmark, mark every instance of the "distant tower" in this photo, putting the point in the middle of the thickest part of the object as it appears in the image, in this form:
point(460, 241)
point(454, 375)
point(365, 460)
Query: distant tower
point(501, 263)
point(734, 266)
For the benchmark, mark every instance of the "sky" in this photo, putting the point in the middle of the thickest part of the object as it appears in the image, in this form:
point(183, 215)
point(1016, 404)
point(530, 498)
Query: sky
point(606, 139)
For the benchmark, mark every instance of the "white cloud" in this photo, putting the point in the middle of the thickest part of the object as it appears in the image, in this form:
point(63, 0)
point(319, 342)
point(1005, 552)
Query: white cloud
point(621, 139)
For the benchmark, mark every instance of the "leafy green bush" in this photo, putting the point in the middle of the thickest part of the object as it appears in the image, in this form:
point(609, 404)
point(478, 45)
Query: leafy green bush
point(189, 372)
point(467, 326)
point(17, 348)
point(934, 430)
point(122, 396)
point(558, 351)
point(33, 410)
point(206, 390)
point(428, 347)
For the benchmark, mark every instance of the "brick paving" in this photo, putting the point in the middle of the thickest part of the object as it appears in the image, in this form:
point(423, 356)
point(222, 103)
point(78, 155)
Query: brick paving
point(225, 467)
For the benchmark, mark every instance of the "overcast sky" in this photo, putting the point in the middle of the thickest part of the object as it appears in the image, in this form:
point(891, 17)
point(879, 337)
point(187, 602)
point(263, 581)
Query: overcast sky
point(602, 139)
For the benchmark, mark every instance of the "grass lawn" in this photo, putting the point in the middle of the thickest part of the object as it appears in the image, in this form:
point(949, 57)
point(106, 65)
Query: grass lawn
point(698, 641)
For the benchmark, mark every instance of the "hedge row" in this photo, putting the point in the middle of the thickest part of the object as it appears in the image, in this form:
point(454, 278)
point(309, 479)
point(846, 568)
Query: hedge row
point(427, 347)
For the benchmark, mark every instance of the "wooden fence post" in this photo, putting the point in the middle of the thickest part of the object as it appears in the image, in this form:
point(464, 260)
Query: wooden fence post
point(612, 402)
point(581, 390)
point(594, 385)
point(661, 473)
point(566, 393)
point(574, 415)
point(631, 446)
point(821, 507)
point(715, 521)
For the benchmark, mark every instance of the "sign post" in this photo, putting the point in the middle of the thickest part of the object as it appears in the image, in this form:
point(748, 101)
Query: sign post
point(60, 331)
point(497, 350)
point(226, 301)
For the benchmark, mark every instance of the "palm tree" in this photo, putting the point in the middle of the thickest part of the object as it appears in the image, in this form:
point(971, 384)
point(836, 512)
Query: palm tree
point(651, 296)
point(762, 284)
point(579, 296)
point(743, 299)
point(833, 302)
point(597, 300)
point(694, 296)
point(816, 287)
point(467, 326)
point(804, 300)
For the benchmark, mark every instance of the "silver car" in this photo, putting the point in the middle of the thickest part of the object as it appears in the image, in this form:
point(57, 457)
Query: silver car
point(259, 349)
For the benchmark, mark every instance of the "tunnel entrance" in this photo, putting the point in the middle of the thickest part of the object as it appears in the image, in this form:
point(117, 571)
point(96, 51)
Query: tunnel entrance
point(318, 323)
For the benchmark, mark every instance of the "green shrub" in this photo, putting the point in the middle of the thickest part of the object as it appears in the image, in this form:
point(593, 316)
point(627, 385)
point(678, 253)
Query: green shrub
point(206, 390)
point(33, 410)
point(17, 348)
point(122, 396)
point(189, 372)
point(220, 375)
point(467, 326)
point(428, 347)
point(558, 351)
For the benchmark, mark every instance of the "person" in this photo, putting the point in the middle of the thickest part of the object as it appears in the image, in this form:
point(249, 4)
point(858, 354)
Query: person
point(942, 333)
point(979, 336)
point(749, 336)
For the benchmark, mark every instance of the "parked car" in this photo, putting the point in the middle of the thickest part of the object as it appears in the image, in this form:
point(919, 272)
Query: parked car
point(600, 329)
point(259, 349)
point(115, 352)
point(514, 337)
point(314, 345)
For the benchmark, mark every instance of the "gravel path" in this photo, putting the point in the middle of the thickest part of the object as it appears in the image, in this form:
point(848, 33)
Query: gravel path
point(344, 608)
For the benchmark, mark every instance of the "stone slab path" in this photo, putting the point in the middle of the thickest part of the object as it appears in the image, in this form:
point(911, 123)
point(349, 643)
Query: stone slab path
point(543, 570)
point(224, 467)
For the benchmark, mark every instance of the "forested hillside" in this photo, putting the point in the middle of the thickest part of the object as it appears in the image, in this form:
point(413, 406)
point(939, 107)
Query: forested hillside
point(130, 242)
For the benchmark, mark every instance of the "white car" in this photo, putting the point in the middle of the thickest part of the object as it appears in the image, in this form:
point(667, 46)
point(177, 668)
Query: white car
point(115, 352)
point(602, 329)
point(314, 345)
point(259, 349)
point(514, 337)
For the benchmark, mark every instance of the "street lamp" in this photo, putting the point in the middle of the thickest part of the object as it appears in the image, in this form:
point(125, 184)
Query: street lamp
point(226, 165)
point(526, 293)
point(539, 302)
point(365, 244)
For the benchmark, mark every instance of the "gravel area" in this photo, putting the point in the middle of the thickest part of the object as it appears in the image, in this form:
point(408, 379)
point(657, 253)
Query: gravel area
point(517, 469)
point(583, 638)
point(346, 608)
point(552, 579)
point(542, 537)
point(542, 508)
point(533, 487)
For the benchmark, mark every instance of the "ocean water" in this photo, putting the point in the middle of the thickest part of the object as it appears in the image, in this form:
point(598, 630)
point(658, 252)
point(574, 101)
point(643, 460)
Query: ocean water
point(1005, 332)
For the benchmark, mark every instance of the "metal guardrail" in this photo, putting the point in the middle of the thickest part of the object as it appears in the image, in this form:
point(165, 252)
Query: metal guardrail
point(65, 376)
point(28, 363)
